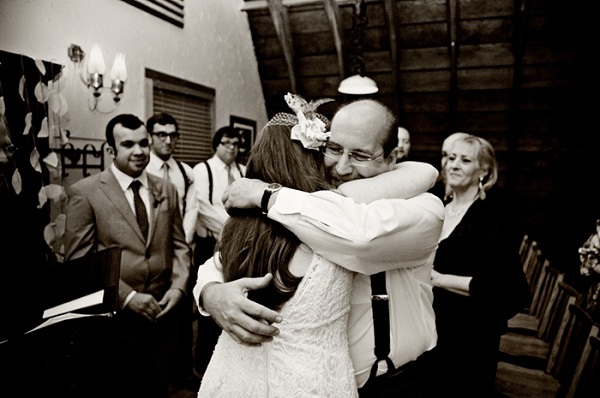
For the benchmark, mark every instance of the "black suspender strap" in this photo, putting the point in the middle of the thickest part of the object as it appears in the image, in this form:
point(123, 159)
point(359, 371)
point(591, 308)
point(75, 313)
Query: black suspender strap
point(239, 168)
point(210, 182)
point(381, 323)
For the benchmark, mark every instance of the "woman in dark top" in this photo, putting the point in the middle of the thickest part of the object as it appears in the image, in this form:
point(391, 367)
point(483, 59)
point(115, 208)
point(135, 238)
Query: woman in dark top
point(478, 280)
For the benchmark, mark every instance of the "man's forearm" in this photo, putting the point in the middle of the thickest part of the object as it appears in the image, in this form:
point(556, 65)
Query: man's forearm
point(208, 274)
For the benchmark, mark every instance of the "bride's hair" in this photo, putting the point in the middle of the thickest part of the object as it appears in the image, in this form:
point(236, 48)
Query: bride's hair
point(253, 245)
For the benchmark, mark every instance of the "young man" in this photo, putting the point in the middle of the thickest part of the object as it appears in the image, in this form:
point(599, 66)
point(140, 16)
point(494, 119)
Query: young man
point(164, 130)
point(126, 206)
point(398, 236)
point(204, 219)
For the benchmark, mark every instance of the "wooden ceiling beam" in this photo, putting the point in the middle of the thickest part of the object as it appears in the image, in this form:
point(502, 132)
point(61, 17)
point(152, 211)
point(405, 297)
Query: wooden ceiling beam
point(453, 48)
point(335, 23)
point(282, 27)
point(392, 23)
point(521, 23)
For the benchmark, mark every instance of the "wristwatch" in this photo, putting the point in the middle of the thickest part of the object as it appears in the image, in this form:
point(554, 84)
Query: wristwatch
point(269, 190)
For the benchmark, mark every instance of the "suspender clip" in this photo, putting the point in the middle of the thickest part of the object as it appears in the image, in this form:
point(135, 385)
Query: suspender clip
point(379, 297)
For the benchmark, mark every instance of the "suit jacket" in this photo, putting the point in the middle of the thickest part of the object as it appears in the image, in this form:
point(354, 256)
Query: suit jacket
point(99, 216)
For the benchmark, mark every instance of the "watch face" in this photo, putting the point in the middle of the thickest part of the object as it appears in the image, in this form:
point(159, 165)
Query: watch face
point(274, 186)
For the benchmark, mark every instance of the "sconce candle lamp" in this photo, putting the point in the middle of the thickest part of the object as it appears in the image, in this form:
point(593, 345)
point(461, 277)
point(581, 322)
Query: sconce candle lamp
point(96, 69)
point(118, 75)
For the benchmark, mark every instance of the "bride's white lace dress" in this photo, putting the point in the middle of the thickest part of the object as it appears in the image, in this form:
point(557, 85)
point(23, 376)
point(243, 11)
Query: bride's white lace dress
point(310, 356)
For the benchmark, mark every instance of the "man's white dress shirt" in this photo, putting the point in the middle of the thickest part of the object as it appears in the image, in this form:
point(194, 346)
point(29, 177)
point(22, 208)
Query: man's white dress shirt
point(394, 235)
point(201, 216)
point(155, 167)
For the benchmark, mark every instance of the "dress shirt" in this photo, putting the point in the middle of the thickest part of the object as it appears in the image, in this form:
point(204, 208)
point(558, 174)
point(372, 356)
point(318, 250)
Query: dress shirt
point(394, 235)
point(201, 216)
point(155, 167)
point(125, 180)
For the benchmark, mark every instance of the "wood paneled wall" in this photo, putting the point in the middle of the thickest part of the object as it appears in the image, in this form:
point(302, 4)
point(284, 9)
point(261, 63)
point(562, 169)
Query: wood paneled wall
point(516, 72)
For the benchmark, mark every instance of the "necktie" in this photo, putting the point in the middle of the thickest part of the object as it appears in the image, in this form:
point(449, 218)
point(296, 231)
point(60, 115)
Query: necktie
point(230, 178)
point(140, 208)
point(165, 168)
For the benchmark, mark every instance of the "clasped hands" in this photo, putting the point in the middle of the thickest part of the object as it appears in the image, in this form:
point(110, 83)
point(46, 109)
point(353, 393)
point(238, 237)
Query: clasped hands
point(147, 306)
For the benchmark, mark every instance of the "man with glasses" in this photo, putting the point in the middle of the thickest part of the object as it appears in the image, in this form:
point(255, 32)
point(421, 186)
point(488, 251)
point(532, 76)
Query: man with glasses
point(398, 236)
point(164, 130)
point(204, 218)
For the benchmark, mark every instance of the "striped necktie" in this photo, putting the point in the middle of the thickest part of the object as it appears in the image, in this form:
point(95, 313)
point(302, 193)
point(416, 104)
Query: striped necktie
point(140, 209)
point(230, 178)
point(165, 168)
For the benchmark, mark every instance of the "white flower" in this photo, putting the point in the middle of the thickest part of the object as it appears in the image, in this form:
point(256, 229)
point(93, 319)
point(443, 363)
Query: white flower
point(312, 133)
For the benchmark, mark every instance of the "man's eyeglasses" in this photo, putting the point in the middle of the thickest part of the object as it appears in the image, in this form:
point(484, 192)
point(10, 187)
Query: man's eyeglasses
point(163, 136)
point(230, 144)
point(9, 148)
point(359, 159)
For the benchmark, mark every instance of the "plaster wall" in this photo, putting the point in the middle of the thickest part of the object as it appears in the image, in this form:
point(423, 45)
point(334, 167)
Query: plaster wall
point(214, 49)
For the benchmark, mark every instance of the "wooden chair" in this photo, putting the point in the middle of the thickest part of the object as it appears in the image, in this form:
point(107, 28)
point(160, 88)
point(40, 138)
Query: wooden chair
point(544, 293)
point(533, 266)
point(520, 382)
point(524, 248)
point(586, 380)
point(532, 348)
point(570, 344)
point(554, 317)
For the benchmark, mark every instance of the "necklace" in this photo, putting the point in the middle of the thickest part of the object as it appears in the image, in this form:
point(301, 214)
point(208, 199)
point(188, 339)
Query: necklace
point(455, 213)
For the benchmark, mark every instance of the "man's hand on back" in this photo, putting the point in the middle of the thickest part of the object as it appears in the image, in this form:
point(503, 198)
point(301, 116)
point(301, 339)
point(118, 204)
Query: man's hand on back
point(246, 321)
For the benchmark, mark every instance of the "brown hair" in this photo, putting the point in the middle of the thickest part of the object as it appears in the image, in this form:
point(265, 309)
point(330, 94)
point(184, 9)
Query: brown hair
point(253, 245)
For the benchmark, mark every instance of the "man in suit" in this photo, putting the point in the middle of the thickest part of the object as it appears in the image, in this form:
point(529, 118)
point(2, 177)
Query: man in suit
point(126, 206)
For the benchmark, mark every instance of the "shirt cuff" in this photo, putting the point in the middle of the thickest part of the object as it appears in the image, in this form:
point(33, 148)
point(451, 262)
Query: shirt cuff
point(128, 298)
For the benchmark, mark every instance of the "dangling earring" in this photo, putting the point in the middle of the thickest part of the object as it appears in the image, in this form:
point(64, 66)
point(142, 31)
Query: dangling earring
point(480, 192)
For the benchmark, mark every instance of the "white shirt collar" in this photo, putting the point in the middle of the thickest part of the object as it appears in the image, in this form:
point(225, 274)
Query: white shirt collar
point(157, 162)
point(125, 180)
point(222, 164)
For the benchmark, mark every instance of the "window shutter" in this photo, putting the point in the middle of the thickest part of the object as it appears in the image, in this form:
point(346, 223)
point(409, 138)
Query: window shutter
point(169, 10)
point(192, 107)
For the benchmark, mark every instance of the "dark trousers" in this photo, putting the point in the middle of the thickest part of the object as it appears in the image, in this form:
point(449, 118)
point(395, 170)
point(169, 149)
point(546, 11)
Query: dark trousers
point(146, 354)
point(207, 332)
point(408, 381)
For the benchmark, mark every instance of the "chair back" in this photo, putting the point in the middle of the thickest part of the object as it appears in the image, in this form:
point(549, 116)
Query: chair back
point(586, 380)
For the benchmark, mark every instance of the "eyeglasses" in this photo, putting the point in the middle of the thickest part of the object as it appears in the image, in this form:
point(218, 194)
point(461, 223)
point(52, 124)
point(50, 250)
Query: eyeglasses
point(163, 136)
point(356, 158)
point(230, 144)
point(9, 148)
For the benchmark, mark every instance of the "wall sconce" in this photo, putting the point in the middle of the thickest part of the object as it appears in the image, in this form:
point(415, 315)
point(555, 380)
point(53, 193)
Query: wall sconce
point(96, 69)
point(359, 83)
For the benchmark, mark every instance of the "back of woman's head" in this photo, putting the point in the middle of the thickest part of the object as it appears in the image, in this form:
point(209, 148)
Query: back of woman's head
point(277, 158)
point(253, 245)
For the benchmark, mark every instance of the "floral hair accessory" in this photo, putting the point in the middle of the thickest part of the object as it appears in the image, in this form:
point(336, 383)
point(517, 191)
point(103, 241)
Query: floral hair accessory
point(310, 130)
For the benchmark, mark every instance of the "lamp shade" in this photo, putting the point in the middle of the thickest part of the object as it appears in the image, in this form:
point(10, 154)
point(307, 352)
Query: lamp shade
point(358, 85)
point(119, 71)
point(96, 63)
